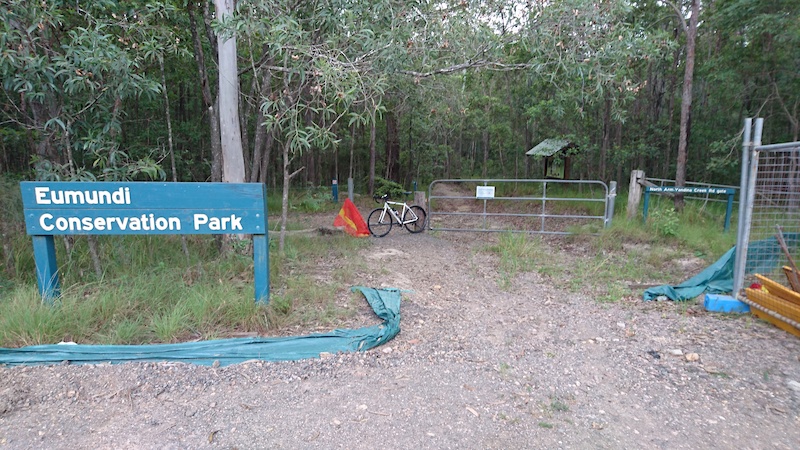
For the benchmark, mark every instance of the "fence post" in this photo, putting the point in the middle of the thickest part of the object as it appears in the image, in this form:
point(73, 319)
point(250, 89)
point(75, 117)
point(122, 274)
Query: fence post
point(612, 196)
point(634, 193)
point(728, 211)
point(44, 251)
point(419, 199)
point(746, 198)
point(350, 189)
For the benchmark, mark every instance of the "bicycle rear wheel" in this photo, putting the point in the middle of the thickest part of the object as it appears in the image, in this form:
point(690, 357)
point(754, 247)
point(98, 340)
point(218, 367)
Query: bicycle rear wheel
point(379, 224)
point(418, 225)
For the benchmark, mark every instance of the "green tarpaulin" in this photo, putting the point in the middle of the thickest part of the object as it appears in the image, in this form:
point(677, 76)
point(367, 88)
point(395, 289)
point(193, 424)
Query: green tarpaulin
point(385, 303)
point(715, 279)
point(762, 257)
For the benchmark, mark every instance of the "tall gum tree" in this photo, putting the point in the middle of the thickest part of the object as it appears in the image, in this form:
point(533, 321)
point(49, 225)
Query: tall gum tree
point(230, 131)
point(690, 29)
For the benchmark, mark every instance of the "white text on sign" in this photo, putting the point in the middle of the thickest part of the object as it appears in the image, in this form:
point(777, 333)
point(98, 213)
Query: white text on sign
point(232, 223)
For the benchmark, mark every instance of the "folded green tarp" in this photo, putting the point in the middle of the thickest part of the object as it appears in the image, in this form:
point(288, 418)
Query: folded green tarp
point(715, 279)
point(385, 303)
point(762, 257)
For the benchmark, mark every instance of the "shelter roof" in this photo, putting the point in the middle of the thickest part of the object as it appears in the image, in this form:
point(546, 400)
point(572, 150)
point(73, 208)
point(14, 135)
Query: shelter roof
point(550, 147)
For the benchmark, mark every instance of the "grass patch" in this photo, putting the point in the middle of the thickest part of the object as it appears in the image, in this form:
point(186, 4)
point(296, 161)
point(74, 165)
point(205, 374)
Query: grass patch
point(558, 406)
point(150, 292)
point(609, 266)
point(519, 253)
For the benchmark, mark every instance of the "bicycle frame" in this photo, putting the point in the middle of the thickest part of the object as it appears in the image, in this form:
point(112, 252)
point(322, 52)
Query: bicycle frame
point(387, 208)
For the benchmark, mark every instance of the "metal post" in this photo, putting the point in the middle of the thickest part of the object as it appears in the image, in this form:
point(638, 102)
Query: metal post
point(335, 190)
point(261, 268)
point(44, 254)
point(728, 211)
point(350, 189)
point(749, 193)
point(544, 204)
point(646, 205)
point(739, 263)
point(610, 199)
point(485, 183)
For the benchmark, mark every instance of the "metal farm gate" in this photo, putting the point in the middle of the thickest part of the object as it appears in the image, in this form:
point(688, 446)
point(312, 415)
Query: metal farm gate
point(525, 206)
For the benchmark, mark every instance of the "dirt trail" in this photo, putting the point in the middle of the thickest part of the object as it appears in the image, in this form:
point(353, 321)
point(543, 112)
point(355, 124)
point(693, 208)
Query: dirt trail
point(473, 367)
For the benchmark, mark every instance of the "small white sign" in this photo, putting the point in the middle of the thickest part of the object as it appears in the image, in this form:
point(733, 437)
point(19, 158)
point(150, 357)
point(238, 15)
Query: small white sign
point(484, 192)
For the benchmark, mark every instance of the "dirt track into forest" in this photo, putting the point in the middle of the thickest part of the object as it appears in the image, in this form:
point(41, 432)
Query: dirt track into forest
point(534, 366)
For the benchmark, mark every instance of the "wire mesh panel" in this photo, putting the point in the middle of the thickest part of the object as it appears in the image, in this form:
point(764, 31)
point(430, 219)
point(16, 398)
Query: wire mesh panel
point(775, 212)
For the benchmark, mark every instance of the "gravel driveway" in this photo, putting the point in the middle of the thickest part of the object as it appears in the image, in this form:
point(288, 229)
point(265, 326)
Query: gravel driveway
point(533, 366)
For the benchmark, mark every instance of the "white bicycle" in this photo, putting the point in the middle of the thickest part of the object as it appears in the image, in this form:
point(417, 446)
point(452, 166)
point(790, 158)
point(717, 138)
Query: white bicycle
point(380, 220)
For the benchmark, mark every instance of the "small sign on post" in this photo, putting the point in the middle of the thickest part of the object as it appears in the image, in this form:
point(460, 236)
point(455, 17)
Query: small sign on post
point(730, 192)
point(484, 192)
point(63, 208)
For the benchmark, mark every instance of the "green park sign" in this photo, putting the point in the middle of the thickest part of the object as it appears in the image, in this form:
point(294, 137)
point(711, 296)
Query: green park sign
point(104, 208)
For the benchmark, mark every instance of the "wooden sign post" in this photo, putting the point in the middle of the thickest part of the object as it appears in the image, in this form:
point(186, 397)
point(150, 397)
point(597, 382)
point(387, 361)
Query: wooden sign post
point(62, 208)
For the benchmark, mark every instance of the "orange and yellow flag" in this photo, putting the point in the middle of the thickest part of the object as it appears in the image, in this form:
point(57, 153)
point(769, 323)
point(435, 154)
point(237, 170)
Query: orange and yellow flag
point(351, 220)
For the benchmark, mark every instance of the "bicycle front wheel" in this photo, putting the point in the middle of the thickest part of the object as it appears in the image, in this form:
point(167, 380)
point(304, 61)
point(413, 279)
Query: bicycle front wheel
point(379, 224)
point(415, 226)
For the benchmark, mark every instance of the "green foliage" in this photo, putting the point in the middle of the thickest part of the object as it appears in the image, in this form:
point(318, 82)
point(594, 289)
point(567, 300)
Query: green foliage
point(304, 200)
point(393, 189)
point(68, 73)
point(315, 49)
point(82, 89)
point(724, 161)
point(665, 221)
point(313, 200)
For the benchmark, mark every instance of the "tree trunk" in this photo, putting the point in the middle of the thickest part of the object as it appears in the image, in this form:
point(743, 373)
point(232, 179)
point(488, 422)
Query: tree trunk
point(392, 148)
point(232, 154)
point(352, 148)
point(311, 173)
point(335, 175)
point(287, 178)
point(209, 101)
point(372, 156)
point(686, 103)
point(485, 151)
point(184, 245)
point(411, 173)
point(472, 153)
point(216, 141)
point(528, 144)
point(245, 111)
point(606, 142)
point(261, 131)
point(265, 161)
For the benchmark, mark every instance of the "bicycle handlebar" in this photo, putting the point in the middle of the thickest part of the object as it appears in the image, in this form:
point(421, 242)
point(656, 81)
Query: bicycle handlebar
point(382, 197)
